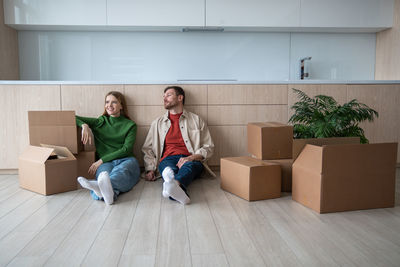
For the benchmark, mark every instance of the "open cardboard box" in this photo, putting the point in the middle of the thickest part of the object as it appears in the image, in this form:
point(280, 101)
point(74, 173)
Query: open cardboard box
point(41, 172)
point(269, 140)
point(250, 178)
point(56, 128)
point(299, 144)
point(333, 178)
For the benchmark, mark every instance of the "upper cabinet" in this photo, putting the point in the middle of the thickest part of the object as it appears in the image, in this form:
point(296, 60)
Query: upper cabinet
point(253, 13)
point(155, 13)
point(346, 13)
point(231, 15)
point(55, 12)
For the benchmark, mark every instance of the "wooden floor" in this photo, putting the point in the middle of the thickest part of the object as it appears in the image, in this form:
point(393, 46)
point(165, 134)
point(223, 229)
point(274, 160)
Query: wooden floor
point(216, 229)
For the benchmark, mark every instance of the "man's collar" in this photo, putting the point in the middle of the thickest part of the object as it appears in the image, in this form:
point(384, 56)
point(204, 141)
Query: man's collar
point(165, 116)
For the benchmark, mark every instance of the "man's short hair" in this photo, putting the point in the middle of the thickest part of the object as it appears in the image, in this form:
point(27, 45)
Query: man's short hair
point(178, 91)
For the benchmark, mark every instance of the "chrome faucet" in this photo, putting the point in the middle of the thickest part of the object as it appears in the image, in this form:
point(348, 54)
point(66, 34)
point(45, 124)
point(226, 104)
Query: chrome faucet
point(302, 73)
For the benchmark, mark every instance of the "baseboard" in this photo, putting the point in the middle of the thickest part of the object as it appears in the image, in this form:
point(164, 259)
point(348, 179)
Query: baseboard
point(8, 171)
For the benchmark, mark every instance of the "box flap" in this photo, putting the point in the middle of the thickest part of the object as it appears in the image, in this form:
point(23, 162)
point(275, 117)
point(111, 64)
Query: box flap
point(246, 161)
point(298, 144)
point(36, 154)
point(60, 151)
point(310, 158)
point(269, 124)
point(51, 118)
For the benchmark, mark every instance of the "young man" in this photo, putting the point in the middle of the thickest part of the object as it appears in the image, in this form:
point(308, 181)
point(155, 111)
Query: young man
point(178, 143)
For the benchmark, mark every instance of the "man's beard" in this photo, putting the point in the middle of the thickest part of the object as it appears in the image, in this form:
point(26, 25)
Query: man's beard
point(170, 105)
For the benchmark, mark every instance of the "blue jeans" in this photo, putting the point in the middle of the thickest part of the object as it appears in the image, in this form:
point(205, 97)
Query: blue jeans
point(124, 174)
point(187, 173)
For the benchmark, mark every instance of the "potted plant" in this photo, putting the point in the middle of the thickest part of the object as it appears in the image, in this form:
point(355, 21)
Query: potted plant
point(322, 117)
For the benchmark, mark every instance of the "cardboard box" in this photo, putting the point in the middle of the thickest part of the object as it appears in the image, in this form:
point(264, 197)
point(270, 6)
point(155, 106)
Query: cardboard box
point(345, 177)
point(269, 140)
point(54, 127)
point(286, 167)
point(84, 160)
point(250, 178)
point(299, 144)
point(46, 176)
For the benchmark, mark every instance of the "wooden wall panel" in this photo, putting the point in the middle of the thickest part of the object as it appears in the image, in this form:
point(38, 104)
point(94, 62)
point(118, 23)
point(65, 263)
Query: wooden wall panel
point(140, 137)
point(86, 100)
point(230, 141)
point(17, 100)
point(247, 94)
point(387, 65)
point(153, 94)
point(9, 66)
point(243, 114)
point(385, 99)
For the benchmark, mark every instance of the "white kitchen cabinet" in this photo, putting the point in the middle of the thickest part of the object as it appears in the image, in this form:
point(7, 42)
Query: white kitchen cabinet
point(346, 13)
point(55, 12)
point(253, 13)
point(155, 13)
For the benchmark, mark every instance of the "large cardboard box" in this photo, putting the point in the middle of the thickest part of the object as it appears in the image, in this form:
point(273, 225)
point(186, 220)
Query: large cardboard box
point(299, 144)
point(54, 127)
point(47, 170)
point(84, 160)
point(335, 178)
point(269, 140)
point(250, 178)
point(286, 167)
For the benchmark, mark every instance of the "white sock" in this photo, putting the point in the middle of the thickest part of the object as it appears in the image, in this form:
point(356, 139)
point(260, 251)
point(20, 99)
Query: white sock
point(106, 188)
point(173, 190)
point(168, 174)
point(91, 185)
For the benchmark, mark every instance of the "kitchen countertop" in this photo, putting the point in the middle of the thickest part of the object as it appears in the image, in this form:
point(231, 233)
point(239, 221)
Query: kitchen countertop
point(208, 82)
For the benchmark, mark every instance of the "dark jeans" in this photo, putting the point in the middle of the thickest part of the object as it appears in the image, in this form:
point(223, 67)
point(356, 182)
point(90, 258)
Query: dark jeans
point(187, 173)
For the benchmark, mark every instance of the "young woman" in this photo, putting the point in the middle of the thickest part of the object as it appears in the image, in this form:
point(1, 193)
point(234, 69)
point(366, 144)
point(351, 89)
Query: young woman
point(116, 169)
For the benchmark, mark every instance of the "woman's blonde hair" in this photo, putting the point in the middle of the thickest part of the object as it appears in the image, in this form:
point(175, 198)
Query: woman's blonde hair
point(121, 99)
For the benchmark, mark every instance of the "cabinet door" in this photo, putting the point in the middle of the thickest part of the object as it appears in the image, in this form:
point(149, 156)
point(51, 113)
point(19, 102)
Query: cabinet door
point(253, 13)
point(55, 12)
point(347, 13)
point(155, 13)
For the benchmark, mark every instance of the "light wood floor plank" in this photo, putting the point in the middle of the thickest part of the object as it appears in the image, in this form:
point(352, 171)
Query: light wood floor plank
point(12, 219)
point(240, 250)
point(141, 245)
point(7, 180)
point(74, 248)
point(7, 192)
point(203, 234)
point(107, 248)
point(209, 260)
point(15, 200)
point(269, 243)
point(18, 238)
point(45, 243)
point(173, 248)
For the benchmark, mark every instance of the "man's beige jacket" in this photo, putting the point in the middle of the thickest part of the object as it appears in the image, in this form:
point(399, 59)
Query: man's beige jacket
point(194, 132)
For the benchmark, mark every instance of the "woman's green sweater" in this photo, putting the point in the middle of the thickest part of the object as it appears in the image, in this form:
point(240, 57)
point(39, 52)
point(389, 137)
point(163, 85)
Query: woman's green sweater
point(114, 136)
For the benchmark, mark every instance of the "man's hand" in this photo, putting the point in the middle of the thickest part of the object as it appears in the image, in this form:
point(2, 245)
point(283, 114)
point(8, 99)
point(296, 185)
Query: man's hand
point(150, 176)
point(183, 160)
point(94, 166)
point(86, 134)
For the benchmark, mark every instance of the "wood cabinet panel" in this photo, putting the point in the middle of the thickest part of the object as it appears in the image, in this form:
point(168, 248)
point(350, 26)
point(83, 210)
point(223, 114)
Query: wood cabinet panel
point(153, 94)
point(17, 100)
point(243, 114)
point(86, 100)
point(247, 94)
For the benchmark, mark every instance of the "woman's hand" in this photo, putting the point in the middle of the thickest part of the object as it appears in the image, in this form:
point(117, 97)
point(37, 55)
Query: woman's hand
point(86, 134)
point(150, 176)
point(94, 166)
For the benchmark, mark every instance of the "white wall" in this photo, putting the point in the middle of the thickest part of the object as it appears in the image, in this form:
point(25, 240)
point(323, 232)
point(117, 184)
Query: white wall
point(171, 56)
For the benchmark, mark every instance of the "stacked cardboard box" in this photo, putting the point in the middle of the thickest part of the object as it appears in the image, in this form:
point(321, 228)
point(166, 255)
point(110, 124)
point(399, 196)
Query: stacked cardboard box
point(48, 166)
point(255, 178)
